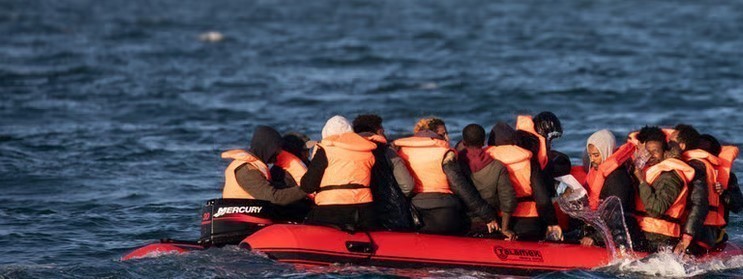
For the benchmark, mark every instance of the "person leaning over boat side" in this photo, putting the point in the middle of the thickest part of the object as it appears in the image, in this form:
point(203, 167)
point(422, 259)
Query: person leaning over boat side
point(534, 216)
point(727, 182)
point(391, 181)
point(489, 176)
point(340, 173)
point(662, 191)
point(608, 176)
point(248, 176)
point(440, 183)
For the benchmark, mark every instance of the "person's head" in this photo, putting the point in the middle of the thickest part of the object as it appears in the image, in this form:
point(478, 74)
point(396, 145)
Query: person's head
point(336, 125)
point(710, 144)
point(600, 145)
point(296, 144)
point(473, 135)
point(434, 124)
point(654, 141)
point(686, 137)
point(370, 123)
point(502, 134)
point(547, 125)
point(266, 144)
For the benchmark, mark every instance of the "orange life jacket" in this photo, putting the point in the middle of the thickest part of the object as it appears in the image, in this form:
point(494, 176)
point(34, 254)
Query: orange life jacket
point(518, 162)
point(424, 157)
point(526, 123)
point(596, 178)
point(727, 156)
point(292, 165)
point(716, 214)
point(232, 189)
point(669, 223)
point(348, 175)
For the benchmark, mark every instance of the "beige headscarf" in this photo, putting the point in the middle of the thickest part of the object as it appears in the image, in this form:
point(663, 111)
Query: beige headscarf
point(604, 141)
point(336, 125)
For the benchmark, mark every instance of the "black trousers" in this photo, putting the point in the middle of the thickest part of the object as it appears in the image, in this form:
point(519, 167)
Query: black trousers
point(351, 217)
point(441, 214)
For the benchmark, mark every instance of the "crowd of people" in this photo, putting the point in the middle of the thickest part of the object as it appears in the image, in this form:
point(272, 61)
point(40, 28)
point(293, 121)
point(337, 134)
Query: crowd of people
point(676, 186)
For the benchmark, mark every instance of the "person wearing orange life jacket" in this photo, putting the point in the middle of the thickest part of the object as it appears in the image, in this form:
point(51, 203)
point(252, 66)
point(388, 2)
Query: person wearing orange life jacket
point(440, 183)
point(248, 176)
point(340, 174)
point(534, 216)
point(608, 176)
point(727, 182)
point(489, 176)
point(536, 135)
point(662, 191)
point(707, 213)
point(391, 181)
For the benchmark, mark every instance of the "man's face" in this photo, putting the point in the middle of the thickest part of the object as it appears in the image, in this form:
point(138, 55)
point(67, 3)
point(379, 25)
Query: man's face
point(655, 149)
point(441, 131)
point(595, 156)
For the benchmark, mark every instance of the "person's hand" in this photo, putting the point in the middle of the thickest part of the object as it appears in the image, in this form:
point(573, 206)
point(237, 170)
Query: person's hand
point(682, 245)
point(493, 226)
point(718, 188)
point(567, 193)
point(586, 241)
point(510, 235)
point(554, 233)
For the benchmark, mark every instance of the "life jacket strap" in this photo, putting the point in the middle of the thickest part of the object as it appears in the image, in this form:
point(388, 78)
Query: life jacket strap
point(662, 217)
point(342, 187)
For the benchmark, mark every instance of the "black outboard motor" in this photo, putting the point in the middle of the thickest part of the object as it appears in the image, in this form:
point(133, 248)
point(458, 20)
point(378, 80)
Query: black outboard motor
point(229, 221)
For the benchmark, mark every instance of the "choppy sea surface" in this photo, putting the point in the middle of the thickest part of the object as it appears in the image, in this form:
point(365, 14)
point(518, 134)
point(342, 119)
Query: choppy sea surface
point(113, 113)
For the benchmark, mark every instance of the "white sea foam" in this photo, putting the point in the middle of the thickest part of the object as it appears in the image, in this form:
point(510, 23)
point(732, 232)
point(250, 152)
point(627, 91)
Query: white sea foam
point(667, 264)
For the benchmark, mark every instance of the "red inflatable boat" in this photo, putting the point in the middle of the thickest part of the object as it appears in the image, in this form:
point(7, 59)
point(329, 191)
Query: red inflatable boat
point(313, 245)
point(250, 224)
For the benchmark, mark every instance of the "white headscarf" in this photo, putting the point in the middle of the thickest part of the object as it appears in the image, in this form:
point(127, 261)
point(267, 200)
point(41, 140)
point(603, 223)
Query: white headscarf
point(336, 125)
point(604, 141)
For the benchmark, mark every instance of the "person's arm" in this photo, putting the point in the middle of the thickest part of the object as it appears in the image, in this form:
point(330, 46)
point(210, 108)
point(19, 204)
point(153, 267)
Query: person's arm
point(506, 194)
point(732, 197)
point(402, 174)
point(619, 184)
point(542, 197)
point(659, 198)
point(465, 190)
point(311, 180)
point(253, 182)
point(698, 201)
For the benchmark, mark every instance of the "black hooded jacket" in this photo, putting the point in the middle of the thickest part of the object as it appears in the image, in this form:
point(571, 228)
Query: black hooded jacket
point(265, 145)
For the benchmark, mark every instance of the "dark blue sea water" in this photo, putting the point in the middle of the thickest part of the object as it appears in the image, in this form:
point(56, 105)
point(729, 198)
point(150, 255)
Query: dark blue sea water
point(113, 113)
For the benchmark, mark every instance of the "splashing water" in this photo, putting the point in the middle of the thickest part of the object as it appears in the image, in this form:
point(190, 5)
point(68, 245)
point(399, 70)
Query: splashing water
point(608, 219)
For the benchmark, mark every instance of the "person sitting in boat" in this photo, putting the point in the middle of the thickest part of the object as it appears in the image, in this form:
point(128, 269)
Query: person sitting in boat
point(440, 183)
point(609, 175)
point(662, 191)
point(489, 176)
point(684, 140)
point(291, 163)
point(248, 176)
point(726, 186)
point(340, 174)
point(536, 135)
point(534, 216)
point(391, 181)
